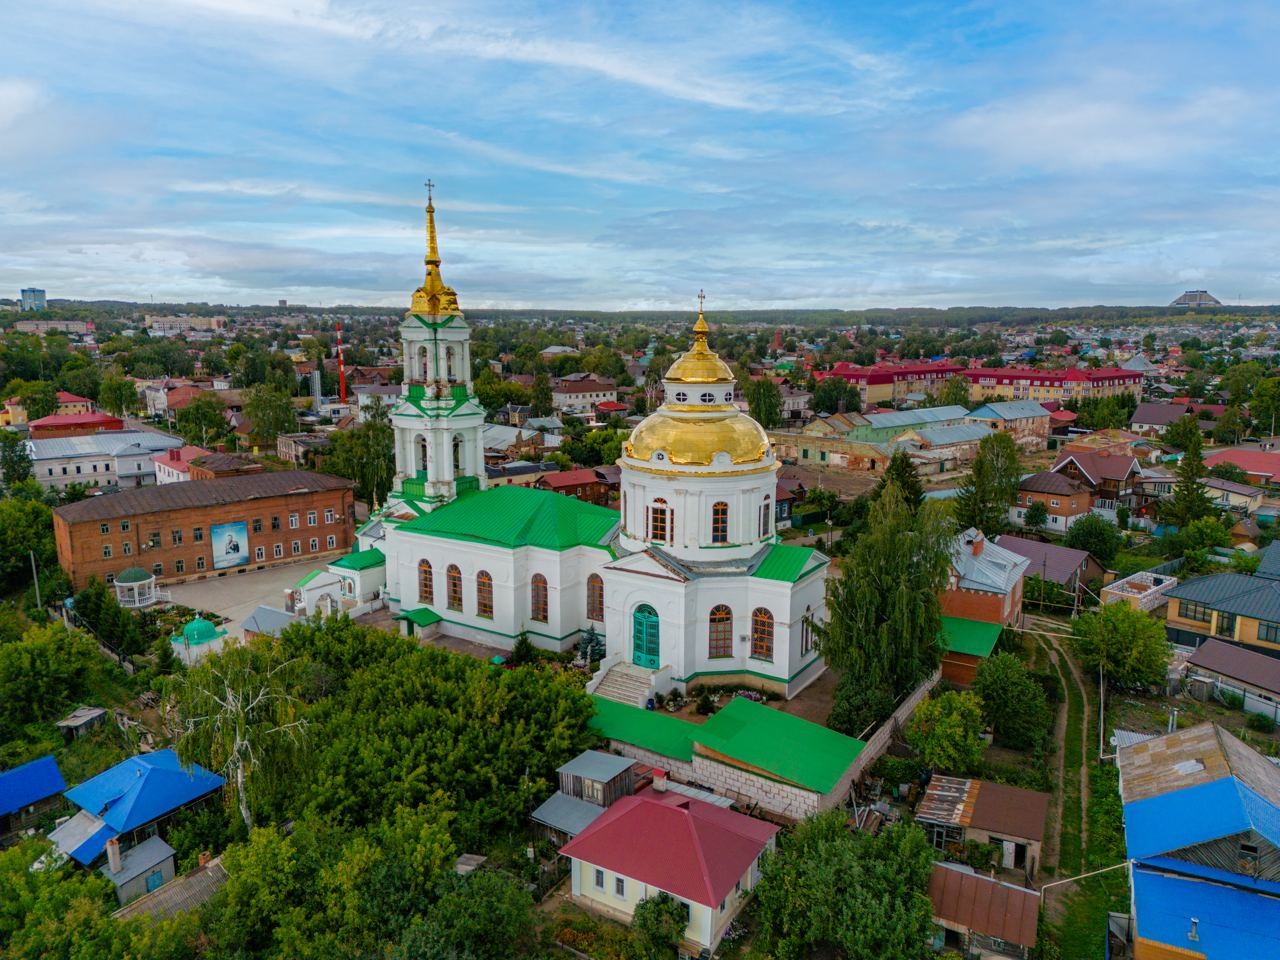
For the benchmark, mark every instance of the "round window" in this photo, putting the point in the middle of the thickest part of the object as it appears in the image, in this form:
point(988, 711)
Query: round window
point(728, 398)
point(708, 398)
point(681, 397)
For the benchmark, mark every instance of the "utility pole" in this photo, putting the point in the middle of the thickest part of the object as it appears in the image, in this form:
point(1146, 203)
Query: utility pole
point(35, 575)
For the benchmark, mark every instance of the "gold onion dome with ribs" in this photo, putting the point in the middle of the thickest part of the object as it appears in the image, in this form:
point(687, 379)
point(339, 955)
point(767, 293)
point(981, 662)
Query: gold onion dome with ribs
point(693, 433)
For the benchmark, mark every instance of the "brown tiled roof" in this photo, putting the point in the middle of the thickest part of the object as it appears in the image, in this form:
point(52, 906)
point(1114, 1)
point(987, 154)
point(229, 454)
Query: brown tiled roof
point(1048, 482)
point(198, 493)
point(984, 905)
point(1101, 466)
point(1010, 811)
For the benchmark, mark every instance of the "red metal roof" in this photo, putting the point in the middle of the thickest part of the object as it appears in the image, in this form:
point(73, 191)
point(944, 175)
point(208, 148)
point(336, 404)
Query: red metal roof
point(1075, 374)
point(179, 458)
point(1255, 462)
point(65, 397)
point(984, 905)
point(76, 420)
point(690, 849)
point(571, 478)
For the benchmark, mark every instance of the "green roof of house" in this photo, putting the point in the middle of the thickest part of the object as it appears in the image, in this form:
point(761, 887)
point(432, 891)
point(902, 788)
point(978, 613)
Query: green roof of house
point(788, 563)
point(518, 517)
point(664, 735)
point(361, 560)
point(783, 746)
point(777, 744)
point(423, 616)
point(973, 637)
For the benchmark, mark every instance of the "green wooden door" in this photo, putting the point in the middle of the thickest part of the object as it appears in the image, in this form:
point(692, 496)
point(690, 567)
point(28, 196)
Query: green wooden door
point(644, 637)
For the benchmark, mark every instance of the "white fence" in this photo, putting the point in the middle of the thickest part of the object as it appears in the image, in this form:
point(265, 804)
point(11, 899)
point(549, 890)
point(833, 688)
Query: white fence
point(879, 741)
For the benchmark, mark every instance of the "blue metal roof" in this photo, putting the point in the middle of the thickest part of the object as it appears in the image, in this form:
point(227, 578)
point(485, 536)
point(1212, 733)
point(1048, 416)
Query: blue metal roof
point(1231, 921)
point(137, 791)
point(29, 783)
point(1180, 818)
point(1009, 410)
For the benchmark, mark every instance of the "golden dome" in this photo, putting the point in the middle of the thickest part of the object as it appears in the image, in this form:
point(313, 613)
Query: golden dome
point(699, 364)
point(695, 441)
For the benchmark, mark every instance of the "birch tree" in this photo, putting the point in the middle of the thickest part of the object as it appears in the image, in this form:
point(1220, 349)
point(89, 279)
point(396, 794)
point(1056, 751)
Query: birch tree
point(238, 716)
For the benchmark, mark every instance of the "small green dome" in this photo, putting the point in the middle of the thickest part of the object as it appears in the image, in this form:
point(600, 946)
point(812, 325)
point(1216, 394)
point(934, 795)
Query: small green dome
point(199, 630)
point(134, 575)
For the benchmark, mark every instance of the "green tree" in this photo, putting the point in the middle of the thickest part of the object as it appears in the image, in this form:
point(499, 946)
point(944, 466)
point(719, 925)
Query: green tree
point(1099, 536)
point(240, 716)
point(1265, 405)
point(28, 530)
point(1226, 470)
point(832, 891)
point(1036, 517)
point(1229, 427)
point(1183, 432)
point(485, 915)
point(201, 422)
point(954, 392)
point(764, 402)
point(1128, 644)
point(1013, 703)
point(79, 375)
point(946, 730)
point(271, 412)
point(657, 928)
point(1240, 380)
point(901, 472)
point(1189, 501)
point(830, 393)
point(15, 459)
point(986, 494)
point(43, 673)
point(366, 454)
point(540, 397)
point(885, 617)
point(39, 398)
point(117, 395)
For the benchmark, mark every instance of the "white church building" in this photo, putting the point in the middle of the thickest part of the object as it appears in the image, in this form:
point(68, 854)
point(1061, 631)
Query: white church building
point(687, 581)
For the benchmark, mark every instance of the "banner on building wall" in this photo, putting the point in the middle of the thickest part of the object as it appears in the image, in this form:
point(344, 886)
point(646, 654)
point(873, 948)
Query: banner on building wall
point(230, 543)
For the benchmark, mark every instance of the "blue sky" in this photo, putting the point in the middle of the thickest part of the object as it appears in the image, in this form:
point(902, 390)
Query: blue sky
point(619, 155)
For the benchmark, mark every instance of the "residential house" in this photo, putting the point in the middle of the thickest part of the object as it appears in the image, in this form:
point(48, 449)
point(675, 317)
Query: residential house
point(985, 582)
point(582, 483)
point(300, 449)
point(174, 465)
point(981, 916)
point(1217, 667)
point(1025, 383)
point(1025, 420)
point(1065, 499)
point(955, 811)
point(1262, 467)
point(747, 752)
point(579, 396)
point(139, 870)
point(1201, 815)
point(27, 793)
point(783, 501)
point(834, 425)
point(1154, 484)
point(72, 425)
point(703, 855)
point(965, 644)
point(795, 404)
point(1240, 499)
point(516, 443)
point(590, 783)
point(1111, 479)
point(518, 473)
point(1153, 419)
point(1237, 607)
point(556, 351)
point(131, 802)
point(1070, 569)
point(892, 381)
point(180, 895)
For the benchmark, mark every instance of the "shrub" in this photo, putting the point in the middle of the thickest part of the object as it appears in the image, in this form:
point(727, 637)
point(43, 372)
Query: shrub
point(858, 706)
point(1261, 723)
point(523, 652)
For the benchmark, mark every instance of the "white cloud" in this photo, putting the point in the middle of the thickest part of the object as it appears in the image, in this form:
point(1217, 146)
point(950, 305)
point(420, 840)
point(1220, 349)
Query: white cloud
point(288, 190)
point(18, 98)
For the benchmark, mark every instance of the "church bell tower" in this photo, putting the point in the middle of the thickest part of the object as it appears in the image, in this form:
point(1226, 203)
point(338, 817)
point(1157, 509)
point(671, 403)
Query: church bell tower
point(438, 421)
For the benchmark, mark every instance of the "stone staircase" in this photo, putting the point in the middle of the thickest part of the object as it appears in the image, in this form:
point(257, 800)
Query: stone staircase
point(625, 684)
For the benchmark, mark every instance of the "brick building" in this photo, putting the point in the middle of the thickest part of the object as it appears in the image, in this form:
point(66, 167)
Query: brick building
point(1064, 497)
point(1025, 383)
point(985, 582)
point(890, 382)
point(72, 425)
point(1025, 420)
point(584, 484)
point(204, 528)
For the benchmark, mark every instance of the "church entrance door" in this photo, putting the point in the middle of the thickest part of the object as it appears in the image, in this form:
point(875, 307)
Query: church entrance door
point(644, 637)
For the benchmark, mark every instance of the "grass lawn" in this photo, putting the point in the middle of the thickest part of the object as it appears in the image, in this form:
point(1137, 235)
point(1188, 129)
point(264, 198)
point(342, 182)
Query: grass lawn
point(809, 529)
point(1071, 852)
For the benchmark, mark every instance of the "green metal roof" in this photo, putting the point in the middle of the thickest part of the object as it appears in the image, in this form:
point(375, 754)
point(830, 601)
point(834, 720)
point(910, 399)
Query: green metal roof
point(664, 735)
point(783, 746)
point(423, 616)
point(134, 575)
point(777, 744)
point(361, 560)
point(973, 637)
point(788, 563)
point(307, 579)
point(512, 516)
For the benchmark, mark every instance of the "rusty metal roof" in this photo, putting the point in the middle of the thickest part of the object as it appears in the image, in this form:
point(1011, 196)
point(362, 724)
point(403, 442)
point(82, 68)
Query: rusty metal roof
point(984, 905)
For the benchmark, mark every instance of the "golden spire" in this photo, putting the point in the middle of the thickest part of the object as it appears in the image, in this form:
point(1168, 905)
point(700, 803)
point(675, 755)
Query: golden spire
point(434, 297)
point(700, 364)
point(700, 328)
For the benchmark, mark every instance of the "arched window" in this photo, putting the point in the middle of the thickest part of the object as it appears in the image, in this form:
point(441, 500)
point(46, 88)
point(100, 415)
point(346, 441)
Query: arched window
point(426, 586)
point(538, 595)
point(459, 468)
point(658, 526)
point(453, 579)
point(766, 516)
point(595, 598)
point(720, 522)
point(806, 632)
point(761, 634)
point(720, 642)
point(484, 595)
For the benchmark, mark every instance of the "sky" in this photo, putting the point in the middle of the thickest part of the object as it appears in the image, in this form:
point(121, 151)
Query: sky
point(612, 155)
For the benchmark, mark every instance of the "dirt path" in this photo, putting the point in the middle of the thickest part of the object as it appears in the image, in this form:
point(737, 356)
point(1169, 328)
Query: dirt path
point(1053, 841)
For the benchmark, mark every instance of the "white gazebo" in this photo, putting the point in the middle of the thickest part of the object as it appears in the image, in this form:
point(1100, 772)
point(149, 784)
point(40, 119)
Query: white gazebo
point(135, 588)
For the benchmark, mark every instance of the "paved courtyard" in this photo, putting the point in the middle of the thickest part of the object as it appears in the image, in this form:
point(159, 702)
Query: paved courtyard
point(235, 596)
